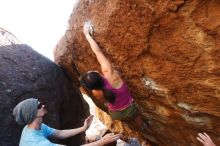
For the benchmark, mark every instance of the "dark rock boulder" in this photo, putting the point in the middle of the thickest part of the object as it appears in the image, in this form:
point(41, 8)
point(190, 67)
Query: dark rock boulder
point(24, 74)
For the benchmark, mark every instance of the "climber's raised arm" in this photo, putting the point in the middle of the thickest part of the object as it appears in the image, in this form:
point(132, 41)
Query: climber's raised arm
point(103, 61)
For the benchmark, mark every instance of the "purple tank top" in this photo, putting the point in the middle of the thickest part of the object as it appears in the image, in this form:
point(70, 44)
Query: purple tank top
point(122, 94)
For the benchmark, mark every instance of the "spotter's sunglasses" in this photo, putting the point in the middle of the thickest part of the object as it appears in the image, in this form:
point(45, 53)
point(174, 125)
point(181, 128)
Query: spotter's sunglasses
point(40, 104)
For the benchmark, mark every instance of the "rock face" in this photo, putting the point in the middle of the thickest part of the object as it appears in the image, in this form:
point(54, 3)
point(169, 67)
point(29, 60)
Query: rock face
point(167, 51)
point(24, 74)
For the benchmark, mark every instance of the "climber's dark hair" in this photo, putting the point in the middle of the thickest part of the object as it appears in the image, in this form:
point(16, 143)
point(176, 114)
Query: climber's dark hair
point(93, 81)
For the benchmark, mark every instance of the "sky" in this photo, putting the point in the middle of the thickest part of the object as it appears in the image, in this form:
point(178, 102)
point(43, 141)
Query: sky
point(38, 23)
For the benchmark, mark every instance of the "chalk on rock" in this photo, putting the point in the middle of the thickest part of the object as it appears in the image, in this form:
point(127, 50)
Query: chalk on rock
point(89, 26)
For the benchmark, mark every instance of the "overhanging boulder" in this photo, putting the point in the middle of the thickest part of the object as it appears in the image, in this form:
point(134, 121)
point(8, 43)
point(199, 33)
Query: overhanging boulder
point(167, 51)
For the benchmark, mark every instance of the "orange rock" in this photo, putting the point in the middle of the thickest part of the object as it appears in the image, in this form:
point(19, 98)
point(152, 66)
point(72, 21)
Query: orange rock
point(167, 51)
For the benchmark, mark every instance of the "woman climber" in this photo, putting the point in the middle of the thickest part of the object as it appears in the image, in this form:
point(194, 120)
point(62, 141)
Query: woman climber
point(109, 88)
